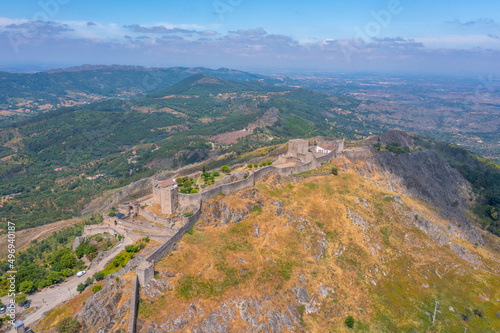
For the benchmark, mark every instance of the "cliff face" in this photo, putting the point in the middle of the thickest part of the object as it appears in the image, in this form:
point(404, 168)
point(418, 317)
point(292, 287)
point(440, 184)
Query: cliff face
point(426, 176)
point(423, 174)
point(108, 310)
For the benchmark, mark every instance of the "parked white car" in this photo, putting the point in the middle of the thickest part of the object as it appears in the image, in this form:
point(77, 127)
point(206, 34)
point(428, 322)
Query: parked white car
point(80, 273)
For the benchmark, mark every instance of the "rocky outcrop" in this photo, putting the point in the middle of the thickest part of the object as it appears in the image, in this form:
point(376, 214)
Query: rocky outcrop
point(108, 309)
point(255, 314)
point(221, 212)
point(426, 176)
point(397, 137)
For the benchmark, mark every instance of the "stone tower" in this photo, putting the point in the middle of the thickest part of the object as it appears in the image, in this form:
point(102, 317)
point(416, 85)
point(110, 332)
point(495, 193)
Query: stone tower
point(146, 272)
point(299, 149)
point(169, 199)
point(165, 194)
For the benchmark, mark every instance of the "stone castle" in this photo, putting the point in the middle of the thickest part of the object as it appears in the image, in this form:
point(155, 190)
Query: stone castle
point(134, 220)
point(300, 157)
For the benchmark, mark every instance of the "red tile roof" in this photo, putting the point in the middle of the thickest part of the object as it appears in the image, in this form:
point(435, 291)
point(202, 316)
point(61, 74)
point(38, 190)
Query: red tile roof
point(168, 182)
point(326, 147)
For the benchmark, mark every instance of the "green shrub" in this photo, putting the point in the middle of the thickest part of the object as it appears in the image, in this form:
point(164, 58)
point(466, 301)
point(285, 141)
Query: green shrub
point(27, 287)
point(99, 276)
point(68, 325)
point(96, 288)
point(20, 299)
point(335, 171)
point(249, 166)
point(194, 190)
point(255, 165)
point(188, 214)
point(349, 322)
point(131, 248)
point(226, 169)
point(81, 287)
point(269, 163)
point(263, 164)
point(67, 272)
point(85, 249)
point(256, 209)
point(187, 184)
point(89, 281)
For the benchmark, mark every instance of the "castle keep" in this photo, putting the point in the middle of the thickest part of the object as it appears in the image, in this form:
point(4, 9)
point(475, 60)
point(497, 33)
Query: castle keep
point(165, 195)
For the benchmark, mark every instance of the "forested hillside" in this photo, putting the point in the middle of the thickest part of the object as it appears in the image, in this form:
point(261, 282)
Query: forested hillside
point(47, 158)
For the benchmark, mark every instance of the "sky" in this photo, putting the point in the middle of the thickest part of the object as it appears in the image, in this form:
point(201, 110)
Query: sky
point(389, 36)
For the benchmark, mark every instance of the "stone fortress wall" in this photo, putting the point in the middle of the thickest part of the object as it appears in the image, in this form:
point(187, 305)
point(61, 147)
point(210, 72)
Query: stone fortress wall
point(298, 152)
point(161, 251)
point(91, 230)
point(298, 159)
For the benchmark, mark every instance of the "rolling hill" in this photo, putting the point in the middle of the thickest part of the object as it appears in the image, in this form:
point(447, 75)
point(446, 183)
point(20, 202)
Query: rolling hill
point(45, 160)
point(25, 95)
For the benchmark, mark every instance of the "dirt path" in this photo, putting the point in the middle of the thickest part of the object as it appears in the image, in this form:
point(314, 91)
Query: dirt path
point(24, 237)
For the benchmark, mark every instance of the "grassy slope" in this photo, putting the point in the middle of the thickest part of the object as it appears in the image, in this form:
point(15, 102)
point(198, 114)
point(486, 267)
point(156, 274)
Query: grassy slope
point(384, 291)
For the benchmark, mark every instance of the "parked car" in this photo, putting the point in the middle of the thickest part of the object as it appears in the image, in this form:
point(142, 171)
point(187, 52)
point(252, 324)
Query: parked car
point(3, 309)
point(26, 304)
point(80, 273)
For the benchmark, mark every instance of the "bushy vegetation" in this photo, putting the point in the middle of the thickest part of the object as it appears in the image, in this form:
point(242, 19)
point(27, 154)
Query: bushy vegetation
point(96, 288)
point(81, 287)
point(395, 148)
point(349, 321)
point(134, 248)
point(99, 276)
point(84, 249)
point(49, 261)
point(68, 325)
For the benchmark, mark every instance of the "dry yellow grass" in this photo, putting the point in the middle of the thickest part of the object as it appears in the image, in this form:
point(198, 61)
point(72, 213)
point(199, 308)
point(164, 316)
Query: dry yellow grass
point(69, 309)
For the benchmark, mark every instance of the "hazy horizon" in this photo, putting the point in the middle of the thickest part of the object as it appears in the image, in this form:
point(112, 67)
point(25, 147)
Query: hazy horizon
point(365, 36)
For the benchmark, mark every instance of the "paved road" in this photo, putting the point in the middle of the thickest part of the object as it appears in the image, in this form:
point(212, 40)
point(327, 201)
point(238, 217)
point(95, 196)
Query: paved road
point(49, 298)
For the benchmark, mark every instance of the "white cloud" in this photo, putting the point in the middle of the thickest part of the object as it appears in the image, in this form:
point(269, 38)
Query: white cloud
point(460, 41)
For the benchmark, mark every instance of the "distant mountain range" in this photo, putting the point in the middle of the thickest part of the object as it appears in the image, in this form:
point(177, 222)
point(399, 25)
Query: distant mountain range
point(25, 95)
